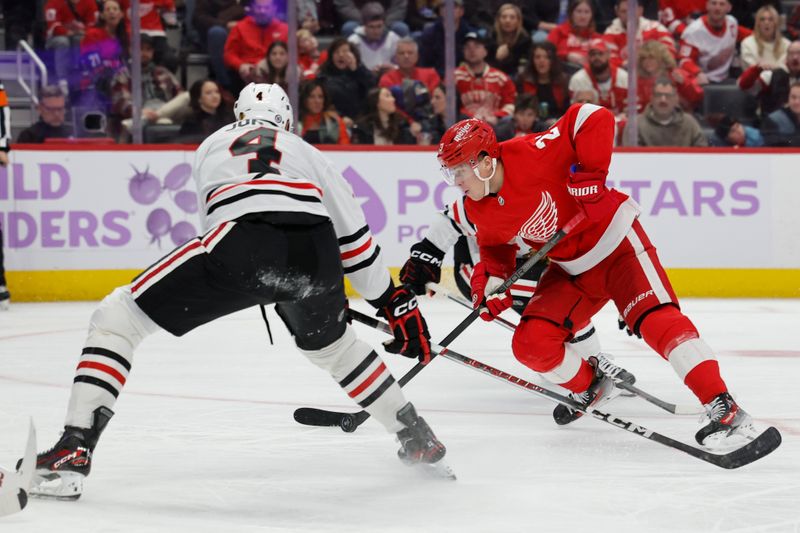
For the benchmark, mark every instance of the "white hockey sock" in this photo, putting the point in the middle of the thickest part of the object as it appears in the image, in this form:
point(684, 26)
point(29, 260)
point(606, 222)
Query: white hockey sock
point(586, 342)
point(116, 328)
point(363, 375)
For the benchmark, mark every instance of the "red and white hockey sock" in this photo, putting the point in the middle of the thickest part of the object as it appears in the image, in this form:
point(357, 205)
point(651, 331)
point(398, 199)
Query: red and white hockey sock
point(572, 373)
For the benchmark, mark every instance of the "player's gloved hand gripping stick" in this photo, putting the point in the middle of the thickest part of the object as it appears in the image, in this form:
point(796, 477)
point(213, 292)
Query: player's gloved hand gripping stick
point(311, 417)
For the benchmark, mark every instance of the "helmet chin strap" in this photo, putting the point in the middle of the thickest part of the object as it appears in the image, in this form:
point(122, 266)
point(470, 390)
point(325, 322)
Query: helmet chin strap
point(488, 178)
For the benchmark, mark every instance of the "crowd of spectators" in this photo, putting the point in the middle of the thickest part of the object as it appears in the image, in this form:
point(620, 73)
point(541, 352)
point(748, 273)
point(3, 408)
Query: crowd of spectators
point(378, 79)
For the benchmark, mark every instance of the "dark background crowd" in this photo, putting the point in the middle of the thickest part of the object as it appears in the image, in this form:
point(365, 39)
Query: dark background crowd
point(708, 72)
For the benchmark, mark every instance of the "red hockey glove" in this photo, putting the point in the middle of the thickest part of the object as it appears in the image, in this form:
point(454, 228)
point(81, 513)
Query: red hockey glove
point(589, 189)
point(483, 285)
point(411, 337)
point(424, 265)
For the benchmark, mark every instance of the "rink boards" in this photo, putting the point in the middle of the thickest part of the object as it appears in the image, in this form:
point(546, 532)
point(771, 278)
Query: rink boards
point(78, 222)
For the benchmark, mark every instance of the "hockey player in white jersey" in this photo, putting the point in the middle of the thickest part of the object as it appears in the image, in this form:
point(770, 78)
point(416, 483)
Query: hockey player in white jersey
point(281, 226)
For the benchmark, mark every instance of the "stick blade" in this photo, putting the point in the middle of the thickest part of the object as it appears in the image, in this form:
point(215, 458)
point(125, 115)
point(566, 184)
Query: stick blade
point(310, 416)
point(759, 447)
point(14, 486)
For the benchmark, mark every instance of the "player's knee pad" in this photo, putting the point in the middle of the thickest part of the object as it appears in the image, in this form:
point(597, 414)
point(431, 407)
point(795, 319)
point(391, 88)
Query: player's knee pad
point(341, 356)
point(538, 344)
point(665, 328)
point(118, 324)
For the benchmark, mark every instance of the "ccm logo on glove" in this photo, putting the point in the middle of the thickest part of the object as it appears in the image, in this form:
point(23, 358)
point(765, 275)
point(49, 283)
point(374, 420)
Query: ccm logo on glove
point(426, 257)
point(404, 308)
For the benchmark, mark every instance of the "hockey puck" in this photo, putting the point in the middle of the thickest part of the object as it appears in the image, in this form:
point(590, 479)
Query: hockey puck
point(348, 423)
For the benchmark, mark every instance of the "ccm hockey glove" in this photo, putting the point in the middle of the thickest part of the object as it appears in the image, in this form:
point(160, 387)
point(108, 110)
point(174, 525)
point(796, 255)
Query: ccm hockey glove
point(411, 337)
point(483, 286)
point(424, 265)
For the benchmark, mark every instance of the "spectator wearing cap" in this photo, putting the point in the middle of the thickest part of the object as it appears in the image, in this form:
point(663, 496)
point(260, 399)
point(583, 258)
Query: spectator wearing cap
point(509, 43)
point(432, 44)
point(52, 109)
point(486, 92)
point(523, 122)
point(616, 35)
point(406, 57)
point(250, 39)
point(708, 45)
point(350, 12)
point(771, 86)
point(375, 42)
point(663, 122)
point(610, 81)
point(782, 126)
point(213, 19)
point(731, 132)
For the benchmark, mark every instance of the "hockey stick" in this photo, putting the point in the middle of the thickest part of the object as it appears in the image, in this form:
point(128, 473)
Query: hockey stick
point(675, 409)
point(311, 416)
point(14, 486)
point(527, 265)
point(762, 445)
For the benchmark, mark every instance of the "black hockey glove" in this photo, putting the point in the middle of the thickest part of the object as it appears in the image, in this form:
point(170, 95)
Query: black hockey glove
point(411, 337)
point(622, 325)
point(424, 265)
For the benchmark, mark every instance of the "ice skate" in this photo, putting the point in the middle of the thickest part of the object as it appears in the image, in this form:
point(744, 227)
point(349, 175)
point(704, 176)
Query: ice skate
point(419, 446)
point(601, 390)
point(729, 425)
point(60, 471)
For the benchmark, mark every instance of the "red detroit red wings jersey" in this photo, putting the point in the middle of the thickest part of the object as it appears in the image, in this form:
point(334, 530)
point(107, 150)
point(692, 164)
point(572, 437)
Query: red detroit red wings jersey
point(534, 203)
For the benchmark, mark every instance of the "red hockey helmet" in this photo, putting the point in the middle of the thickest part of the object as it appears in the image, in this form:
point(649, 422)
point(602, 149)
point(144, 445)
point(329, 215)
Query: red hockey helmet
point(463, 142)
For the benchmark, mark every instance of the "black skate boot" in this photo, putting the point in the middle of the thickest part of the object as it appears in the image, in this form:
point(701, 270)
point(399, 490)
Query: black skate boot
point(5, 297)
point(418, 444)
point(601, 390)
point(61, 469)
point(726, 420)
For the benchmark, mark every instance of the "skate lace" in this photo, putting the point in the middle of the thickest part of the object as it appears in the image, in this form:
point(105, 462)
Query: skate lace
point(607, 367)
point(716, 409)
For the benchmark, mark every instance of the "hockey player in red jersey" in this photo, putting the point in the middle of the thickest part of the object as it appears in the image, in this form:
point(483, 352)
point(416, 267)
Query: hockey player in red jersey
point(531, 187)
point(282, 226)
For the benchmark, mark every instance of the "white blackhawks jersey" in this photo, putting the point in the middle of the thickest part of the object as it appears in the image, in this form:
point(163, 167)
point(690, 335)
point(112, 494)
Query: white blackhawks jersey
point(250, 166)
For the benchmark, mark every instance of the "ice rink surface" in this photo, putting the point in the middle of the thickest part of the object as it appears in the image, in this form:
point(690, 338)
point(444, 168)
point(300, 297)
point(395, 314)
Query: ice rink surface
point(204, 440)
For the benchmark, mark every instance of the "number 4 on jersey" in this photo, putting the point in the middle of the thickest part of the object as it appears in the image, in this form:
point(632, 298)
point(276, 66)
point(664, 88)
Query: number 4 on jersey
point(550, 135)
point(260, 141)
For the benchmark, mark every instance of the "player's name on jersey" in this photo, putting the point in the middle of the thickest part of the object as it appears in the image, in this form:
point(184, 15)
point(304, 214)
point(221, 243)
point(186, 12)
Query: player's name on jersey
point(250, 122)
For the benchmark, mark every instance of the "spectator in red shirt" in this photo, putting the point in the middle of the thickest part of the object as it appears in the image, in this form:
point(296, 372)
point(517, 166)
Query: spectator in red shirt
point(309, 57)
point(648, 30)
point(67, 23)
point(545, 79)
point(406, 57)
point(319, 121)
point(654, 62)
point(485, 92)
point(609, 80)
point(250, 39)
point(573, 36)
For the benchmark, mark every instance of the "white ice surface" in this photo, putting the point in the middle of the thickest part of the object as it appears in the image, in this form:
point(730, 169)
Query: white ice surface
point(204, 440)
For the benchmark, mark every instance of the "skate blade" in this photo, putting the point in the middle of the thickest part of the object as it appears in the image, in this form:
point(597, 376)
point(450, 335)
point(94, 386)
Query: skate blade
point(726, 442)
point(66, 486)
point(438, 470)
